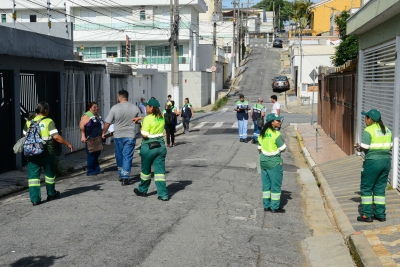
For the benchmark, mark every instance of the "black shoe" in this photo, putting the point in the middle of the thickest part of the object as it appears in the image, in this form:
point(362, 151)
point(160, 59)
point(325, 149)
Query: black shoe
point(163, 199)
point(50, 198)
point(267, 209)
point(379, 219)
point(138, 193)
point(241, 140)
point(36, 203)
point(280, 210)
point(245, 140)
point(253, 141)
point(364, 219)
point(124, 182)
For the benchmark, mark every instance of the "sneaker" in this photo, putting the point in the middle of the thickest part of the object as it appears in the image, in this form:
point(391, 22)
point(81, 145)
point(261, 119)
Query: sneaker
point(241, 140)
point(36, 203)
point(364, 219)
point(245, 140)
point(379, 219)
point(163, 199)
point(267, 209)
point(168, 145)
point(280, 210)
point(138, 193)
point(124, 182)
point(50, 198)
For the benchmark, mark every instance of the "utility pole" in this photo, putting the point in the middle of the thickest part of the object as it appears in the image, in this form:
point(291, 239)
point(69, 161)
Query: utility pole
point(273, 16)
point(279, 18)
point(172, 41)
point(14, 15)
point(233, 41)
point(239, 25)
point(214, 67)
point(301, 59)
point(176, 64)
point(48, 15)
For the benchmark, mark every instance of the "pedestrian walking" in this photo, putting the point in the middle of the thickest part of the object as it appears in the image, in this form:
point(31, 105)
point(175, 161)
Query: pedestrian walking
point(276, 107)
point(187, 114)
point(257, 113)
point(121, 116)
point(153, 152)
point(91, 128)
point(376, 144)
point(168, 100)
point(271, 145)
point(142, 107)
point(45, 160)
point(170, 124)
point(242, 115)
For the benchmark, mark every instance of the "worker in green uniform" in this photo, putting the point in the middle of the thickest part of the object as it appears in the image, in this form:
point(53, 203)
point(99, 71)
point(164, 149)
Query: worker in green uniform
point(49, 134)
point(376, 144)
point(152, 151)
point(270, 147)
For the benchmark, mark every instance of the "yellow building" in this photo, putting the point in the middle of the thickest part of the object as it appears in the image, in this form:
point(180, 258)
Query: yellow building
point(324, 12)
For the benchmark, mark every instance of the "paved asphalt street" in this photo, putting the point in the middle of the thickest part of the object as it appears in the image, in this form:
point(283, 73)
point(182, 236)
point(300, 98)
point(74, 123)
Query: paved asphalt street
point(215, 215)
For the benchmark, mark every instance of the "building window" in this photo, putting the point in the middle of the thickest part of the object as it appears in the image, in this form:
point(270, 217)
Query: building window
point(142, 15)
point(228, 49)
point(132, 51)
point(90, 52)
point(112, 51)
point(3, 18)
point(32, 18)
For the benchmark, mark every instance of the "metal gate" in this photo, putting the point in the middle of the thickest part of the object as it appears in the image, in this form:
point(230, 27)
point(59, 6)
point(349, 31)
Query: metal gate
point(7, 135)
point(36, 87)
point(117, 83)
point(378, 84)
point(80, 89)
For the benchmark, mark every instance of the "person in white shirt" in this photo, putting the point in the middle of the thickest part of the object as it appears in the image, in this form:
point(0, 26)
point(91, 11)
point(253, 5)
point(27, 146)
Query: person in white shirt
point(276, 107)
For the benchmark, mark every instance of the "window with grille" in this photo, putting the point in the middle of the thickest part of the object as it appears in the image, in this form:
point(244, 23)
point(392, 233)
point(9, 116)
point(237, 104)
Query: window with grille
point(227, 49)
point(3, 18)
point(132, 51)
point(112, 51)
point(142, 15)
point(90, 52)
point(32, 18)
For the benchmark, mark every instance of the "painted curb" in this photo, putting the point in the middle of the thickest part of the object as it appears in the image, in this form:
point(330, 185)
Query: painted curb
point(358, 244)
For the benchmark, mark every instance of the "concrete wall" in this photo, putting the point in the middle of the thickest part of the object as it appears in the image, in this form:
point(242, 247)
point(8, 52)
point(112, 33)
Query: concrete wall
point(160, 87)
point(28, 44)
point(58, 29)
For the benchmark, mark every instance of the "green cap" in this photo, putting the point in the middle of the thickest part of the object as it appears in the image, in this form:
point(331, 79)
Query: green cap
point(374, 114)
point(153, 103)
point(273, 117)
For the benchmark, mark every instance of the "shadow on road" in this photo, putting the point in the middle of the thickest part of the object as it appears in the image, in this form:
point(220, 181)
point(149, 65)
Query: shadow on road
point(174, 187)
point(36, 261)
point(80, 190)
point(285, 196)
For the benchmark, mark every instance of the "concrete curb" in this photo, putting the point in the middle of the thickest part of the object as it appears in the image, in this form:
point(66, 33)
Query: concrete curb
point(358, 244)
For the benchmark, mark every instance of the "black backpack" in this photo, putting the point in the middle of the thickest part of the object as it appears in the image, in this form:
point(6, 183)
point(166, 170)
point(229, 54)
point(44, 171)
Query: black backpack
point(170, 117)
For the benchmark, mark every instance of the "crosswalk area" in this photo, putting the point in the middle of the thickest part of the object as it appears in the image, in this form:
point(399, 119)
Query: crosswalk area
point(220, 124)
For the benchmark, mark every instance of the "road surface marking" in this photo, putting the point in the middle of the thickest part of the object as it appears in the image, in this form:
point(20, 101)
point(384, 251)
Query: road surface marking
point(200, 125)
point(218, 124)
point(224, 110)
point(235, 125)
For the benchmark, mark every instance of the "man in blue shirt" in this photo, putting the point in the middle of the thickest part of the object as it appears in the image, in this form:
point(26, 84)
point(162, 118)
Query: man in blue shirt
point(242, 114)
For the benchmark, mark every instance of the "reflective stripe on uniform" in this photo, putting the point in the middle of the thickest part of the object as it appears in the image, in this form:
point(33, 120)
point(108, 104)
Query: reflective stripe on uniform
point(53, 132)
point(266, 194)
point(155, 135)
point(381, 145)
point(366, 200)
point(270, 153)
point(365, 146)
point(275, 196)
point(159, 177)
point(282, 147)
point(380, 200)
point(144, 132)
point(49, 180)
point(145, 177)
point(33, 182)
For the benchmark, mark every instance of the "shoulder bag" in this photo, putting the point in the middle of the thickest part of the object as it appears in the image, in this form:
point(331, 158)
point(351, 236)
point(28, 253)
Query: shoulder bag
point(94, 144)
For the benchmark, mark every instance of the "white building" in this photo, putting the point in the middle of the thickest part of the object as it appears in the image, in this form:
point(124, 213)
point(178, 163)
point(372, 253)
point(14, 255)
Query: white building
point(101, 29)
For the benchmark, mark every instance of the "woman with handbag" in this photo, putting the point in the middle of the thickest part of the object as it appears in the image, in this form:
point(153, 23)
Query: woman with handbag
point(152, 151)
point(91, 127)
point(257, 115)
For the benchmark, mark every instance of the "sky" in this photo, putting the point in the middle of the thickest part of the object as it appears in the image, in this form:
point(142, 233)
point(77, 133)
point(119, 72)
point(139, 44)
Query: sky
point(228, 3)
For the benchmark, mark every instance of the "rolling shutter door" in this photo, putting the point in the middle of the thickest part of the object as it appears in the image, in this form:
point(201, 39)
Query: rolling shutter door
point(378, 87)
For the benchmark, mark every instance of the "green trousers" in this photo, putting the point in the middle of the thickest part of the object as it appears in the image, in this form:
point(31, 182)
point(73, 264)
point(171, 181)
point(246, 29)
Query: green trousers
point(374, 177)
point(153, 157)
point(271, 186)
point(35, 163)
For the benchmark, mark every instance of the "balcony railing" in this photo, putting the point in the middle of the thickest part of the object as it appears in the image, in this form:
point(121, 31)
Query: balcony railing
point(152, 60)
point(127, 26)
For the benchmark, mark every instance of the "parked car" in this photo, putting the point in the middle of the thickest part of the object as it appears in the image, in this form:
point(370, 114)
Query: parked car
point(277, 43)
point(280, 84)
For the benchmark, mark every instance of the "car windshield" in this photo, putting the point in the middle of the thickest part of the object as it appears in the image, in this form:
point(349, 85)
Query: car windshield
point(280, 78)
point(277, 40)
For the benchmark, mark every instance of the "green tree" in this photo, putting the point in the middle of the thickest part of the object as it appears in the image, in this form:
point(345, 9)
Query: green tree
point(348, 48)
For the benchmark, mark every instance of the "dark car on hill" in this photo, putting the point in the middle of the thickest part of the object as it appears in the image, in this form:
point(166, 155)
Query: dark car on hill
point(277, 43)
point(280, 84)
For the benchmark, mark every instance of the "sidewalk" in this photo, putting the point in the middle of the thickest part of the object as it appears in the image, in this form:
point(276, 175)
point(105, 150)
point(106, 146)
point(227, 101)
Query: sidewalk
point(372, 244)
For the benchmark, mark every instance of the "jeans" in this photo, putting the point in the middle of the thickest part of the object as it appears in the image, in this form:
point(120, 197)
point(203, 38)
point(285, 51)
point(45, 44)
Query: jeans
point(93, 166)
point(185, 121)
point(124, 148)
point(242, 128)
point(256, 130)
